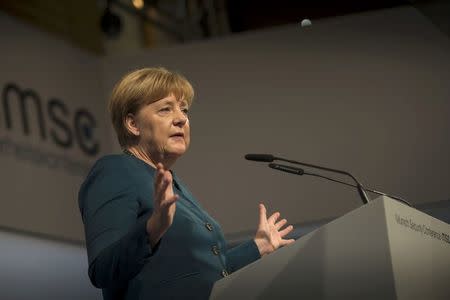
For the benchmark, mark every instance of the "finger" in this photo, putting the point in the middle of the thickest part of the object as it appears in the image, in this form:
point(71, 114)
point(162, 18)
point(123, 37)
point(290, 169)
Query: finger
point(273, 218)
point(262, 214)
point(160, 166)
point(168, 187)
point(286, 230)
point(280, 224)
point(159, 176)
point(287, 242)
point(168, 176)
point(160, 181)
point(162, 188)
point(171, 200)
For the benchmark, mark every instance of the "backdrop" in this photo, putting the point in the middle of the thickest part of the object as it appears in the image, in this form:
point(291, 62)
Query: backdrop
point(51, 129)
point(367, 93)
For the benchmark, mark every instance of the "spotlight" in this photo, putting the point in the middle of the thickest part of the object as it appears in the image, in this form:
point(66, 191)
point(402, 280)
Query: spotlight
point(138, 4)
point(305, 23)
point(110, 23)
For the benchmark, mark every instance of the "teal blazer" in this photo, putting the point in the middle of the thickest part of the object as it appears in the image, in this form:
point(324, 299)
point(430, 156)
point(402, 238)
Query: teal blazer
point(115, 202)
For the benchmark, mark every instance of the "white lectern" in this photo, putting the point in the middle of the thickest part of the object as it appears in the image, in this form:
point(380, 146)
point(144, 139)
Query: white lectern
point(382, 250)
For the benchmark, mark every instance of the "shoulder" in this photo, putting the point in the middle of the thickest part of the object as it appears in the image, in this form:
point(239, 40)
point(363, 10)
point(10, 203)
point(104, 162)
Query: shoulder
point(117, 171)
point(118, 165)
point(113, 167)
point(112, 161)
point(111, 175)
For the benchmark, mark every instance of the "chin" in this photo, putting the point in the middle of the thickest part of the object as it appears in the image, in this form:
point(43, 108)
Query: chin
point(176, 152)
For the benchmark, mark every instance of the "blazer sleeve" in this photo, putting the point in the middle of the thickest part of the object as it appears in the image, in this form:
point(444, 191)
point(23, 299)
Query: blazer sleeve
point(242, 255)
point(116, 238)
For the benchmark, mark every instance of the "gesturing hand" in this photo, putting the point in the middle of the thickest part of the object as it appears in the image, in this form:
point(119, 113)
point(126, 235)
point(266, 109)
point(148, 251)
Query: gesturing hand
point(164, 205)
point(269, 236)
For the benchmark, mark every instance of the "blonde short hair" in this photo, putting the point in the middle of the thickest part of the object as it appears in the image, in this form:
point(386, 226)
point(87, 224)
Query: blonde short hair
point(142, 87)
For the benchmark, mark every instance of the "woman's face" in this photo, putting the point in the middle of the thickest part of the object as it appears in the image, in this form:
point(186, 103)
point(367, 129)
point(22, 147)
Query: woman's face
point(164, 127)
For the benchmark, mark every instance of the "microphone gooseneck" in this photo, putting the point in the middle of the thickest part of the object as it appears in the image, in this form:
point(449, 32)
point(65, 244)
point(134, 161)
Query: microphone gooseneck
point(300, 171)
point(271, 158)
point(359, 187)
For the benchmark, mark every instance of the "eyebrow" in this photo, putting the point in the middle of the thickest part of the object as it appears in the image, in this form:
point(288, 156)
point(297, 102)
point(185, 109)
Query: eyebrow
point(172, 102)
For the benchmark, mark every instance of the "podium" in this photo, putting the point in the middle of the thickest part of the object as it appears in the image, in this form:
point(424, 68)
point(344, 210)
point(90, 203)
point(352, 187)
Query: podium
point(381, 250)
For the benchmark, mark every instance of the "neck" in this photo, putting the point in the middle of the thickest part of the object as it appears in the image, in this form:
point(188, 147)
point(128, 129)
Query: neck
point(151, 160)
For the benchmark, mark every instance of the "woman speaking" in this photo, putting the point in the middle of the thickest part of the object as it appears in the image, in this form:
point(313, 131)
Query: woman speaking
point(147, 237)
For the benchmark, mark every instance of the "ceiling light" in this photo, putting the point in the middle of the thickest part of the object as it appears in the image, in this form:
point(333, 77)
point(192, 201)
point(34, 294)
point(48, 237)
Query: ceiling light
point(138, 4)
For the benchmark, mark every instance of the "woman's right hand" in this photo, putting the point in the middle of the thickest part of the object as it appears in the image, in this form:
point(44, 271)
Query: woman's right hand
point(164, 205)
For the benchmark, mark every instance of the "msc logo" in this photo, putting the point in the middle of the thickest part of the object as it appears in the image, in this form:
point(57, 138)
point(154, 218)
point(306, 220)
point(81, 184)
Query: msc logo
point(65, 128)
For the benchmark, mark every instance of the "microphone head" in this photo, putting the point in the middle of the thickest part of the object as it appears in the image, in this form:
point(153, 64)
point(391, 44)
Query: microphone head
point(260, 157)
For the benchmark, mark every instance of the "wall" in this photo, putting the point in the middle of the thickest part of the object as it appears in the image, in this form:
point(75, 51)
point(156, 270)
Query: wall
point(60, 89)
point(34, 268)
point(366, 93)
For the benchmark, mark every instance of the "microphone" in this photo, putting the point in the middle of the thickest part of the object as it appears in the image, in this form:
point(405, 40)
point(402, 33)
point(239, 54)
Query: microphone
point(300, 171)
point(270, 158)
point(260, 157)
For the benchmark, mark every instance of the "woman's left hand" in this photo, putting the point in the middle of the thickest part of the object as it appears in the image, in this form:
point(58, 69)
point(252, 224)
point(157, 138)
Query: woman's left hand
point(269, 236)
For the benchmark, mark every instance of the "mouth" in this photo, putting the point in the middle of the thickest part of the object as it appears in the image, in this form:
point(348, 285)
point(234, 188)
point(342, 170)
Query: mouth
point(177, 135)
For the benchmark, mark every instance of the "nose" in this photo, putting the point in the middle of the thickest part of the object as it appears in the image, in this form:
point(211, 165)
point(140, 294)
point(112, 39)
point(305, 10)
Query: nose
point(180, 118)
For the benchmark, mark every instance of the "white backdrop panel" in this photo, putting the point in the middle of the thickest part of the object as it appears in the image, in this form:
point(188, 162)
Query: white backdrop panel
point(366, 93)
point(39, 182)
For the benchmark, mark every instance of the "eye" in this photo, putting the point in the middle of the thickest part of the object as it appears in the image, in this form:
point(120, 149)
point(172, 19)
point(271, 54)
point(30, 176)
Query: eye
point(164, 109)
point(185, 110)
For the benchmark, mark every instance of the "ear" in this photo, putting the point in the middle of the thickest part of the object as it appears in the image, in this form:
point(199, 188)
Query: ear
point(131, 125)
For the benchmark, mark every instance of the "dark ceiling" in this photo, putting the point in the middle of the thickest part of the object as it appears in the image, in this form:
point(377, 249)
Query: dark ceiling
point(252, 14)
